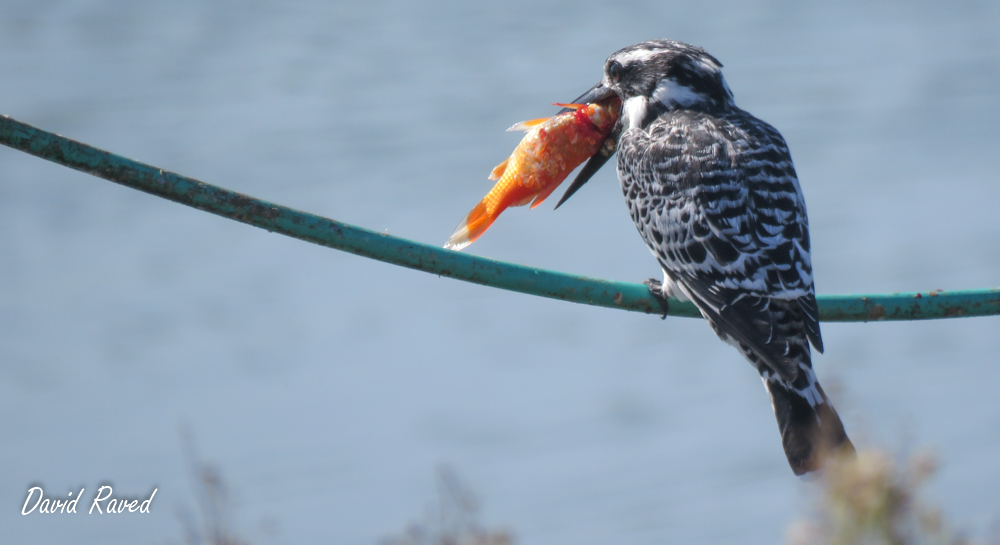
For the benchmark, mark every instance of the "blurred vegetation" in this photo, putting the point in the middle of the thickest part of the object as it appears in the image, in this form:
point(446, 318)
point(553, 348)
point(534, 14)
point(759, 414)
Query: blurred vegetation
point(211, 523)
point(872, 499)
point(453, 522)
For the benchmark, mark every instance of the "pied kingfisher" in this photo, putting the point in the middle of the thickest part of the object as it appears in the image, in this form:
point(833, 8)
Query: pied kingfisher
point(714, 194)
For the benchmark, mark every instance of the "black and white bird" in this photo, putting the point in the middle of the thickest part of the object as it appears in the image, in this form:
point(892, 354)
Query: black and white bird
point(714, 194)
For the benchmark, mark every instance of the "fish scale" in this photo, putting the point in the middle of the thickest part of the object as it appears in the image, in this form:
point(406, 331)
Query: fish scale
point(550, 150)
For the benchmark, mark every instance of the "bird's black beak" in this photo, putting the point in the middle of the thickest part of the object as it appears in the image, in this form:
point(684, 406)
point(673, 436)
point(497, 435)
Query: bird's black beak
point(607, 149)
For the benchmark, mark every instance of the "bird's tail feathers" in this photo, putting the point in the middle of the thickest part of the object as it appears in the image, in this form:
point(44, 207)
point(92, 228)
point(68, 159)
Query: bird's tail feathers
point(811, 431)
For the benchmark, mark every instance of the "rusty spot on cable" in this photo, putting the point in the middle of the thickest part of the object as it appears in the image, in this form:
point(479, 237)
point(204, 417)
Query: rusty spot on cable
point(877, 312)
point(952, 312)
point(618, 298)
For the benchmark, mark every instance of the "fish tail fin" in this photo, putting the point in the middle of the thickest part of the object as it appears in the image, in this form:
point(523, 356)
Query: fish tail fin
point(472, 227)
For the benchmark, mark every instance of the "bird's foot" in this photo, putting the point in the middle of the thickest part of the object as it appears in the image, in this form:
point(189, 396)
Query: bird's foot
point(656, 290)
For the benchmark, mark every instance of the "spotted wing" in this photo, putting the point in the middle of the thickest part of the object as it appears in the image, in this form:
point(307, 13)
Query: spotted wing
point(719, 205)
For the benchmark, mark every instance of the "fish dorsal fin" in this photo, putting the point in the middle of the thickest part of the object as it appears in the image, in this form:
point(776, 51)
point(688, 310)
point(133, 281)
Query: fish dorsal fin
point(528, 125)
point(499, 169)
point(570, 106)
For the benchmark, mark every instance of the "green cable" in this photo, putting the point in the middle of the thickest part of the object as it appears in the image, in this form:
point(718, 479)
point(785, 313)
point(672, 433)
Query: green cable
point(437, 260)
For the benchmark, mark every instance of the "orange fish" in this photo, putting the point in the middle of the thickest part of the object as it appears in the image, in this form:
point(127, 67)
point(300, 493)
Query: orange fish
point(553, 147)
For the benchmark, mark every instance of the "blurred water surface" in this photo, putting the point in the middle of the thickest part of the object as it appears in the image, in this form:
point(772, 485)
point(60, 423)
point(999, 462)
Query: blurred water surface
point(327, 386)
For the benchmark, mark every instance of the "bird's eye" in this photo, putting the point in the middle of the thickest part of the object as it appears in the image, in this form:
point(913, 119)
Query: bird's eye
point(615, 71)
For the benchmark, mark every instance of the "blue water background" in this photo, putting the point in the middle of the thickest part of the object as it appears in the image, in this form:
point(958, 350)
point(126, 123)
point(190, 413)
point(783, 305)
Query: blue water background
point(328, 387)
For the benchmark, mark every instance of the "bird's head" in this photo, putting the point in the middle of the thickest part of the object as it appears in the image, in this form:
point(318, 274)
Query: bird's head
point(652, 78)
point(662, 75)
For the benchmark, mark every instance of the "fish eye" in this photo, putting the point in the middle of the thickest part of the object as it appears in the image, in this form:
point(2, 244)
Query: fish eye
point(615, 71)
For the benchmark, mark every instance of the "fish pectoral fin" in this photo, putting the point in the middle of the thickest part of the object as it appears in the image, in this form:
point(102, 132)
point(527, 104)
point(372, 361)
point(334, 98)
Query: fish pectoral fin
point(523, 201)
point(498, 170)
point(543, 195)
point(528, 125)
point(570, 105)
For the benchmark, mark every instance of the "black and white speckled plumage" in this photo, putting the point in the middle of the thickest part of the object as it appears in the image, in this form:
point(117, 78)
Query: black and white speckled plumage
point(714, 194)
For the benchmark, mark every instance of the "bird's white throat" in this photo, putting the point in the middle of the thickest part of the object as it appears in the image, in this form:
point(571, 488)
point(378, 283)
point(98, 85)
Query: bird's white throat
point(634, 112)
